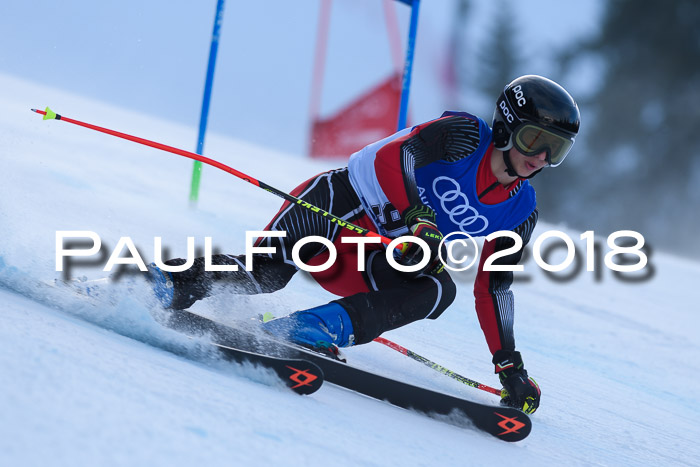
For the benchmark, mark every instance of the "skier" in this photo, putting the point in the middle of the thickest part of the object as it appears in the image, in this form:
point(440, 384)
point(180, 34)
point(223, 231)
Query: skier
point(451, 174)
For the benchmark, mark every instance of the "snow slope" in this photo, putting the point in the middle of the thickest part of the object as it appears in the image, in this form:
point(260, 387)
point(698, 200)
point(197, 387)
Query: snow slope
point(86, 384)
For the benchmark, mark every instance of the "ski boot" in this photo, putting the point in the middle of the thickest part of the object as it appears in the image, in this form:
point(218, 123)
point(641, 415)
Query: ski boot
point(162, 284)
point(322, 329)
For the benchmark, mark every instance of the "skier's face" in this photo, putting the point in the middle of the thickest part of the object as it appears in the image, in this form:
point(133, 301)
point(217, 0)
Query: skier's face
point(527, 165)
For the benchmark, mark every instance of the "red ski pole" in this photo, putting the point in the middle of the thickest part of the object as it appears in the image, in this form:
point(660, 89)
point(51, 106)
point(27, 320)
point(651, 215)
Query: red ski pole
point(437, 367)
point(51, 115)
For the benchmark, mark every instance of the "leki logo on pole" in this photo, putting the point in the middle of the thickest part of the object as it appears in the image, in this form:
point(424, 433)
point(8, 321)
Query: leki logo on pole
point(509, 424)
point(302, 377)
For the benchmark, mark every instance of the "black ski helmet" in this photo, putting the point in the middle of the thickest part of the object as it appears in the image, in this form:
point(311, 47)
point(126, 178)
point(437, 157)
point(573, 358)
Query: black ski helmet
point(535, 114)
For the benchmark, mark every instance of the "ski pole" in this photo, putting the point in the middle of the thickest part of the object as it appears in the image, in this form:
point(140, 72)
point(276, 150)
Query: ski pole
point(437, 367)
point(51, 115)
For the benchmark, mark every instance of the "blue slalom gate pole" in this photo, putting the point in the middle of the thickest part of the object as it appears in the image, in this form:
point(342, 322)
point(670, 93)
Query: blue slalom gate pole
point(408, 65)
point(197, 169)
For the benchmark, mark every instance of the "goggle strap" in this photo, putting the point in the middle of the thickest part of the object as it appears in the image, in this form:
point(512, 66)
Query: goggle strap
point(510, 170)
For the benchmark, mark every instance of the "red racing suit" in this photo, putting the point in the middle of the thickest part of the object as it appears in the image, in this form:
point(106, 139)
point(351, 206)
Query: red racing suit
point(385, 176)
point(378, 185)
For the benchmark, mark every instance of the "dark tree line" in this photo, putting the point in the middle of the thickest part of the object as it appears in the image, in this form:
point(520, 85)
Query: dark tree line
point(640, 158)
point(636, 163)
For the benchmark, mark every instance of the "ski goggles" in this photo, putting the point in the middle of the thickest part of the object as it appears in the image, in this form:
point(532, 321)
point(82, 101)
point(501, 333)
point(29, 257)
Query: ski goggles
point(531, 139)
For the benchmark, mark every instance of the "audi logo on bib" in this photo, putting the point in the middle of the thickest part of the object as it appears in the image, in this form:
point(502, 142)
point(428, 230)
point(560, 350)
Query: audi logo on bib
point(455, 204)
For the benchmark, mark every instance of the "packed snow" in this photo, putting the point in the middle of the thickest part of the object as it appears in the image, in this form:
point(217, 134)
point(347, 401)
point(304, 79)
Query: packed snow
point(87, 382)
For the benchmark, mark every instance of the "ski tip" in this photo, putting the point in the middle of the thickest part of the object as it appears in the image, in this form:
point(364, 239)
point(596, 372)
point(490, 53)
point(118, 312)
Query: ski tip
point(267, 316)
point(303, 377)
point(512, 425)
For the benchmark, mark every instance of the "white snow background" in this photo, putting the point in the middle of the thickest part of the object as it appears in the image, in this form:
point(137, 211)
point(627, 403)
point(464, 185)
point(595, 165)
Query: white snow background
point(82, 384)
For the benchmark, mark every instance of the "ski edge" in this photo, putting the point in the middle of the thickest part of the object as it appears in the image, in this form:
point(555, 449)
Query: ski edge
point(298, 374)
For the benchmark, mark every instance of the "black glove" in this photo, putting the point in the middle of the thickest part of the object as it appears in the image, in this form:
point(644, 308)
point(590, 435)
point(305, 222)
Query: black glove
point(420, 220)
point(519, 390)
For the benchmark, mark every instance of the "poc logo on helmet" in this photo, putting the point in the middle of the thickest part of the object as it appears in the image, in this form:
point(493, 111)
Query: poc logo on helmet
point(518, 91)
point(506, 111)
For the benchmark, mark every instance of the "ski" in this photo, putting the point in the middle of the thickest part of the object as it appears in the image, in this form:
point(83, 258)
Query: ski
point(505, 423)
point(300, 375)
